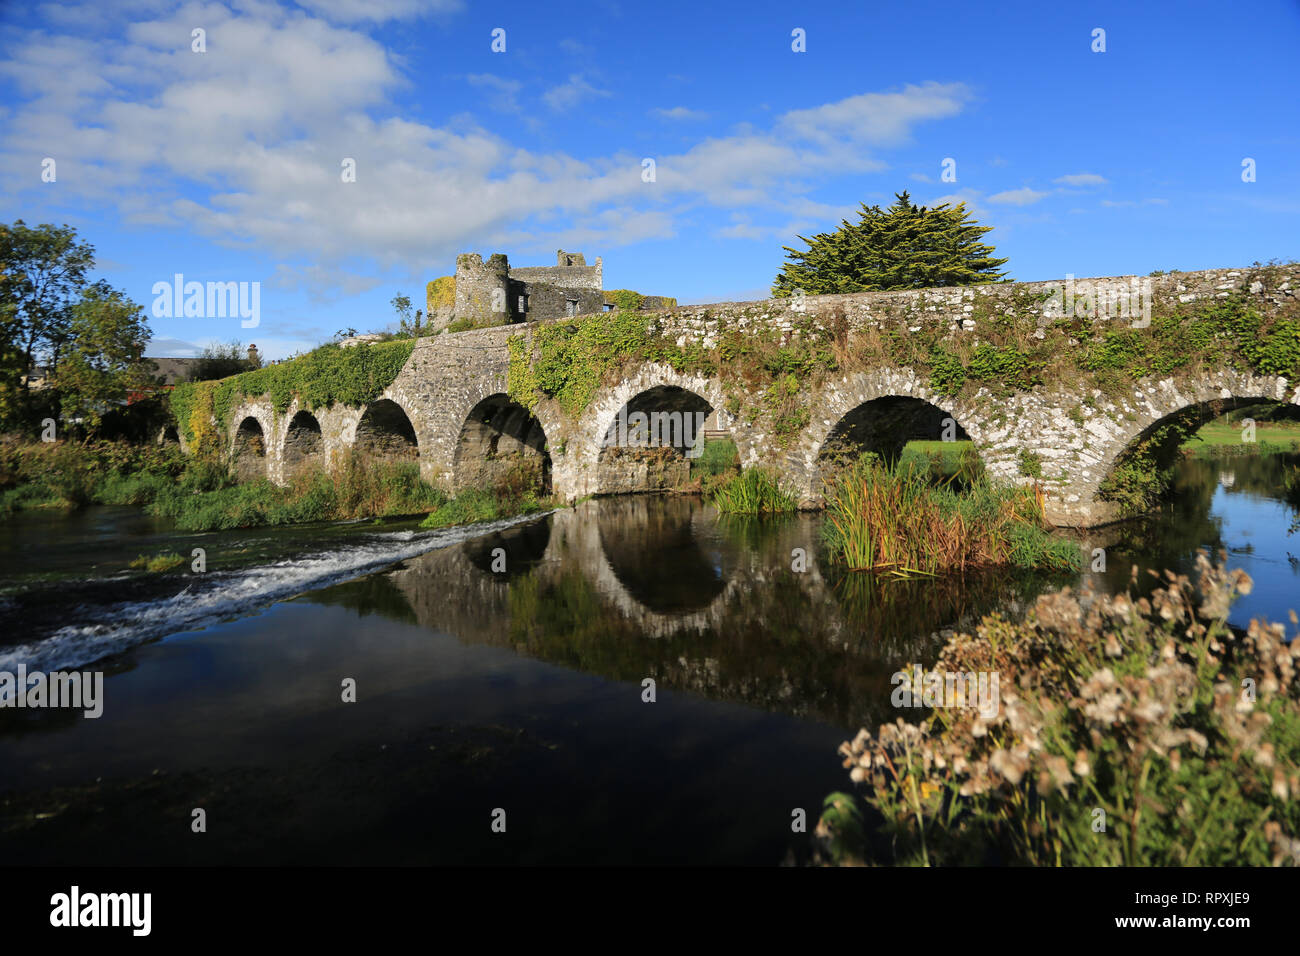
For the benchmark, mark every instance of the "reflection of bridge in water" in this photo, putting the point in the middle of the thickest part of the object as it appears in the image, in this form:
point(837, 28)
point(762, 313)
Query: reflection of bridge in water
point(663, 587)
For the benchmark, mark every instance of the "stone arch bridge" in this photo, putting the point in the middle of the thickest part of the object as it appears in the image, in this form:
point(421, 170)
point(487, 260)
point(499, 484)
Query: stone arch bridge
point(449, 408)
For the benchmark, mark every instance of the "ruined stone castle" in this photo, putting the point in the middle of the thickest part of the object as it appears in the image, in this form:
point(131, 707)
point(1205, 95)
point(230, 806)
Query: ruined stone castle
point(492, 293)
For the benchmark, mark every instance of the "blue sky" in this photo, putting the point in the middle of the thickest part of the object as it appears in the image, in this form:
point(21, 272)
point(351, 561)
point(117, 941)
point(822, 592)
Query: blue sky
point(225, 165)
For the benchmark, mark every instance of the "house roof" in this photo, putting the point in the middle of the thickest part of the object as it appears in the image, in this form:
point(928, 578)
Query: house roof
point(173, 370)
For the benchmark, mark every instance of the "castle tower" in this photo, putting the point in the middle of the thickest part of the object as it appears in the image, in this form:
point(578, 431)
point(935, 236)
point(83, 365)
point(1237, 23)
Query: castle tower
point(482, 289)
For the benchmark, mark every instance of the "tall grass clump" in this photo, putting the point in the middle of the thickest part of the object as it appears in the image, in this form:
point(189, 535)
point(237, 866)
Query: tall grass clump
point(898, 520)
point(754, 491)
point(1141, 732)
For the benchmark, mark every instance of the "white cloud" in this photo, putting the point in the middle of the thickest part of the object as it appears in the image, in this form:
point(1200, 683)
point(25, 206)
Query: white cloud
point(679, 113)
point(1017, 197)
point(322, 285)
point(970, 197)
point(1081, 179)
point(503, 93)
point(876, 118)
point(246, 148)
point(570, 94)
point(378, 11)
point(1126, 203)
point(921, 178)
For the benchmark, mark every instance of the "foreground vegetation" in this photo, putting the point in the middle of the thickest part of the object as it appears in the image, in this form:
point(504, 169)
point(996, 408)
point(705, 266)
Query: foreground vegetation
point(1130, 732)
point(202, 495)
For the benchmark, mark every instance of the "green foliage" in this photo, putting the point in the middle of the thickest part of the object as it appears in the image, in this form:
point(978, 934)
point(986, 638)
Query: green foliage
point(221, 361)
point(479, 504)
point(625, 300)
point(69, 475)
point(570, 359)
point(717, 457)
point(42, 276)
point(1029, 464)
point(158, 563)
point(947, 374)
point(1128, 741)
point(1005, 366)
point(201, 494)
point(328, 374)
point(359, 488)
point(752, 492)
point(904, 247)
point(901, 521)
point(1141, 476)
point(440, 293)
point(517, 493)
point(101, 361)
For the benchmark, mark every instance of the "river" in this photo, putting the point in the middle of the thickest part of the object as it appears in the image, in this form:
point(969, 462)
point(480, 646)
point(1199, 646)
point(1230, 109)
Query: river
point(501, 674)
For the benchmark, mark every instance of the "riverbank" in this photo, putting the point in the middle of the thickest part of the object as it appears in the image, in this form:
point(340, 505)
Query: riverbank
point(199, 494)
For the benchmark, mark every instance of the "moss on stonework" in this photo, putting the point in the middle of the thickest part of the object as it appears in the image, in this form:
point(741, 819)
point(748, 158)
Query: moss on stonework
point(439, 293)
point(768, 374)
point(351, 376)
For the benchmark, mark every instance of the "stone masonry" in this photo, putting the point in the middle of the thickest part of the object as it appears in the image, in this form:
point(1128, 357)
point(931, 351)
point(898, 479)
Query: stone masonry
point(448, 407)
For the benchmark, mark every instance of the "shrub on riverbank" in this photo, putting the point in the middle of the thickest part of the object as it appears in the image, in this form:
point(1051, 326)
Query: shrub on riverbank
point(358, 488)
point(1130, 732)
point(200, 493)
point(897, 519)
point(69, 475)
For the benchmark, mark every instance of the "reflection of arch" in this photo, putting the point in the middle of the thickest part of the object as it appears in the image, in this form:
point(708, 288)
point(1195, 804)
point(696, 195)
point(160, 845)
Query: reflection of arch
point(500, 441)
point(248, 451)
point(646, 445)
point(302, 442)
point(521, 549)
point(385, 431)
point(662, 566)
point(884, 425)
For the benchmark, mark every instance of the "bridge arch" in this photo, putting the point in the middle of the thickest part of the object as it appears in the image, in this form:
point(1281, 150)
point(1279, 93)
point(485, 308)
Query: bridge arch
point(1149, 438)
point(303, 445)
point(879, 411)
point(635, 435)
point(248, 449)
point(385, 431)
point(501, 441)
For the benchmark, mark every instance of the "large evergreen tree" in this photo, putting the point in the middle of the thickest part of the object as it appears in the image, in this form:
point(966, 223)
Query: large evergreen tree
point(903, 247)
